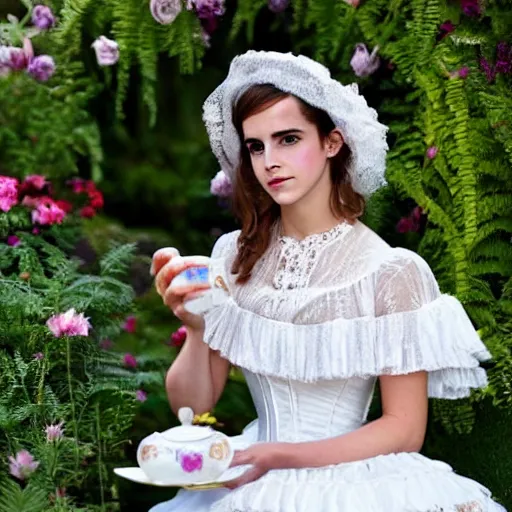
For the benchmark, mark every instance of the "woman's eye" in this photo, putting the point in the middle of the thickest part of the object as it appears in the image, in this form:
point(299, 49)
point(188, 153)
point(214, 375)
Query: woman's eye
point(290, 139)
point(255, 148)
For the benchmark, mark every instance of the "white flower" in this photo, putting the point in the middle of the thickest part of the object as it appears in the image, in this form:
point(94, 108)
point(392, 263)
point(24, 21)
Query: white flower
point(165, 11)
point(107, 51)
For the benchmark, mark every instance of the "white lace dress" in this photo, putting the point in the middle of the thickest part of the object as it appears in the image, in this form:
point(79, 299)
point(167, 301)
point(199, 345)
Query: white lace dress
point(317, 324)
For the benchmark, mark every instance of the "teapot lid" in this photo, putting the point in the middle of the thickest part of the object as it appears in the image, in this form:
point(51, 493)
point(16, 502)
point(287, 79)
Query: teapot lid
point(187, 431)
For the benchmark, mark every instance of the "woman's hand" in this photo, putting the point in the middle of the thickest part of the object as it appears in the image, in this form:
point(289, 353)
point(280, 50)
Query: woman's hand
point(167, 264)
point(263, 457)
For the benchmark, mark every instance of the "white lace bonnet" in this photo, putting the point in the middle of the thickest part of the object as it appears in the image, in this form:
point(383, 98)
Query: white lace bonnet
point(311, 82)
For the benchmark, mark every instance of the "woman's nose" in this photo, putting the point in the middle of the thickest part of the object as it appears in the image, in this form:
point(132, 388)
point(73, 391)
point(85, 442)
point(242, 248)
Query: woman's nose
point(270, 159)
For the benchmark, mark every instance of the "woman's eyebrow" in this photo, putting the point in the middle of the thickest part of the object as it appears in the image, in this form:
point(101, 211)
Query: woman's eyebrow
point(276, 135)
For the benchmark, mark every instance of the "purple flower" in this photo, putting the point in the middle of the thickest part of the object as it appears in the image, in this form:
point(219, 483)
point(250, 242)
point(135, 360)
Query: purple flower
point(39, 356)
point(364, 63)
point(106, 344)
point(42, 68)
point(23, 465)
point(191, 461)
point(13, 240)
point(141, 396)
point(463, 72)
point(503, 58)
point(165, 11)
point(489, 70)
point(54, 432)
point(278, 5)
point(220, 186)
point(432, 152)
point(42, 17)
point(207, 9)
point(107, 51)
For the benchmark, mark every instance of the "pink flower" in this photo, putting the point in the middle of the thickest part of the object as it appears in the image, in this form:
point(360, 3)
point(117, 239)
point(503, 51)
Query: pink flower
point(47, 213)
point(39, 356)
point(54, 432)
point(220, 186)
point(8, 193)
point(141, 396)
point(191, 461)
point(130, 324)
point(35, 181)
point(64, 205)
point(353, 3)
point(96, 199)
point(87, 212)
point(207, 9)
point(107, 51)
point(36, 231)
point(165, 11)
point(364, 63)
point(77, 185)
point(432, 152)
point(69, 323)
point(13, 240)
point(410, 223)
point(178, 337)
point(41, 68)
point(130, 361)
point(42, 17)
point(23, 465)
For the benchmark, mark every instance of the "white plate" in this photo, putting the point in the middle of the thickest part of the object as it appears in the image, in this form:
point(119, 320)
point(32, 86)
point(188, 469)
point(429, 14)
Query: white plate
point(135, 474)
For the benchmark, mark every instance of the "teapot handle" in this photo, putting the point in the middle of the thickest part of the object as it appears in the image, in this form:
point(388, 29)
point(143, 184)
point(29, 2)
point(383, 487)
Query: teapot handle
point(186, 415)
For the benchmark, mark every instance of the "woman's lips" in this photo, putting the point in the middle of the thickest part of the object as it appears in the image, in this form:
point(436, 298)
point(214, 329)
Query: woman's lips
point(276, 182)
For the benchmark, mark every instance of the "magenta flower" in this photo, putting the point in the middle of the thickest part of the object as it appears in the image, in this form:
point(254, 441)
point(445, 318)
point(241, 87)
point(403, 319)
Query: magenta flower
point(220, 186)
point(23, 465)
point(141, 396)
point(191, 461)
point(130, 361)
point(471, 7)
point(47, 212)
point(503, 58)
point(410, 223)
point(42, 17)
point(130, 324)
point(432, 152)
point(8, 193)
point(107, 51)
point(54, 432)
point(69, 323)
point(363, 62)
point(165, 11)
point(278, 5)
point(41, 68)
point(13, 240)
point(178, 337)
point(39, 356)
point(446, 28)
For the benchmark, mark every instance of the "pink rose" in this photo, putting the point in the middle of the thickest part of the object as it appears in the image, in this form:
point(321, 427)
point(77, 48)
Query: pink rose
point(8, 193)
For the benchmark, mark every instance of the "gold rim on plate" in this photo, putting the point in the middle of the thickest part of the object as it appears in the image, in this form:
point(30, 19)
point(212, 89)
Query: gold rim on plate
point(203, 487)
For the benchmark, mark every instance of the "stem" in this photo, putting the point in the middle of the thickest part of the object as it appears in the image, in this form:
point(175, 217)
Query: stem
point(73, 412)
point(100, 462)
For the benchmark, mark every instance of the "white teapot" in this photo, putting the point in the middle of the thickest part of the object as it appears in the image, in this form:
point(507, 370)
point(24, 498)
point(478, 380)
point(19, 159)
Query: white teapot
point(188, 454)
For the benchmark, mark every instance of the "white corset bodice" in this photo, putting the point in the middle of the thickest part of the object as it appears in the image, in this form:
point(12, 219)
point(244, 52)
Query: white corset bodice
point(294, 411)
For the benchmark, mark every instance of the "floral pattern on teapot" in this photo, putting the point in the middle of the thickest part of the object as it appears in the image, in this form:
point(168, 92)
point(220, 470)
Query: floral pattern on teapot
point(219, 451)
point(189, 461)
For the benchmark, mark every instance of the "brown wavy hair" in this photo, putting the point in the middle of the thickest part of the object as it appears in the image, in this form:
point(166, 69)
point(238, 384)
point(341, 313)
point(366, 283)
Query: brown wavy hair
point(254, 208)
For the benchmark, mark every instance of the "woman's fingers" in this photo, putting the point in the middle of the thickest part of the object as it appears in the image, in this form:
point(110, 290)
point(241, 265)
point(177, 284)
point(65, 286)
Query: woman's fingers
point(161, 257)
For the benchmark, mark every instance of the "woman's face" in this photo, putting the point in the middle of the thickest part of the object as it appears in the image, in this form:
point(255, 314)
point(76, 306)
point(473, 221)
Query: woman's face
point(288, 156)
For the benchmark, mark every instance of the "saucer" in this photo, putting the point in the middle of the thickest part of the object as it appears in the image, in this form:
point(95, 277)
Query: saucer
point(135, 474)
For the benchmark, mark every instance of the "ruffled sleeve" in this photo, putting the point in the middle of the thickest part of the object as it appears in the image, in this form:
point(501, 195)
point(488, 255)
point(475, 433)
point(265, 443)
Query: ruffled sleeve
point(413, 328)
point(421, 329)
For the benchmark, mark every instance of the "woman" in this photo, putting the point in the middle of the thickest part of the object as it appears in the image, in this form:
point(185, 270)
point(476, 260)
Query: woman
point(320, 308)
